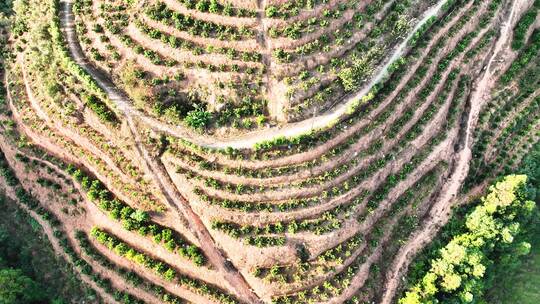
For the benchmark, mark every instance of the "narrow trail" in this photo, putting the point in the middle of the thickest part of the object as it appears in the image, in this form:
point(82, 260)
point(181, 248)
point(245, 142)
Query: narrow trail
point(248, 140)
point(274, 104)
point(174, 199)
point(441, 211)
point(179, 204)
point(71, 225)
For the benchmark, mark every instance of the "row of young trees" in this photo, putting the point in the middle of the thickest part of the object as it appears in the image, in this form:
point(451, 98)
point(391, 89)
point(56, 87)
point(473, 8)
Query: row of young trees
point(135, 219)
point(162, 13)
point(130, 276)
point(161, 269)
point(218, 7)
point(523, 26)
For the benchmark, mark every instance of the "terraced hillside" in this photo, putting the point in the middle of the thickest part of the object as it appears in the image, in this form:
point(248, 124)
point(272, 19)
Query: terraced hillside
point(270, 151)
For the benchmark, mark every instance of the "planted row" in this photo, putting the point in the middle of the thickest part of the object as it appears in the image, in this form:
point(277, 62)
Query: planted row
point(160, 12)
point(130, 276)
point(160, 268)
point(135, 219)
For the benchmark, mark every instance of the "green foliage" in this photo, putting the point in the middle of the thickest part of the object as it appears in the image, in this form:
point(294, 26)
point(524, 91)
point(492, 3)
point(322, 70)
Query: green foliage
point(23, 247)
point(17, 288)
point(531, 167)
point(271, 11)
point(140, 216)
point(161, 269)
point(198, 118)
point(489, 236)
point(523, 26)
point(519, 282)
point(101, 109)
point(526, 55)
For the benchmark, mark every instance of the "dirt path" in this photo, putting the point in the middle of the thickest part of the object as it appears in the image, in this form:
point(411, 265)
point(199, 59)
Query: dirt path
point(173, 198)
point(179, 204)
point(347, 132)
point(244, 141)
point(440, 212)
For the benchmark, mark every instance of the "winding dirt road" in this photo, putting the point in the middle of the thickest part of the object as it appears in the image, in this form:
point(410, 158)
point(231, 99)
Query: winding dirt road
point(248, 140)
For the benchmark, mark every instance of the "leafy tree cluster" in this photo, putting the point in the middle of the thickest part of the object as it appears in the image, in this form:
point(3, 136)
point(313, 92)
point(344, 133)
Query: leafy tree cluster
point(491, 235)
point(531, 167)
point(18, 288)
point(198, 118)
point(27, 262)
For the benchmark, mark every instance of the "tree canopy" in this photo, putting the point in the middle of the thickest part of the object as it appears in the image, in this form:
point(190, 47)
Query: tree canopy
point(490, 232)
point(16, 288)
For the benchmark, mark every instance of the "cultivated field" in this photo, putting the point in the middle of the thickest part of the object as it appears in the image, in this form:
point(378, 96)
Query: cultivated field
point(269, 151)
